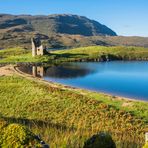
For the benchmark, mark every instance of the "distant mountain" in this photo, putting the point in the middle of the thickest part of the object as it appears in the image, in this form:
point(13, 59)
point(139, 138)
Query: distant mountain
point(51, 24)
point(60, 31)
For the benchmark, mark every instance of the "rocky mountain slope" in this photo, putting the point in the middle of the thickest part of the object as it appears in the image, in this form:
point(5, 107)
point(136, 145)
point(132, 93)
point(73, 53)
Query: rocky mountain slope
point(51, 24)
point(60, 31)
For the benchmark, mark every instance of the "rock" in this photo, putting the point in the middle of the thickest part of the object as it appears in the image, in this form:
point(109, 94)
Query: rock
point(101, 140)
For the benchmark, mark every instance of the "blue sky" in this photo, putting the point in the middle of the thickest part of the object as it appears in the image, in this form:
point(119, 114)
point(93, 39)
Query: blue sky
point(126, 17)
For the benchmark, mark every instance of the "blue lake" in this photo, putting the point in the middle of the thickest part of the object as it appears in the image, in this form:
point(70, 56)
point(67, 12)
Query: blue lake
point(127, 79)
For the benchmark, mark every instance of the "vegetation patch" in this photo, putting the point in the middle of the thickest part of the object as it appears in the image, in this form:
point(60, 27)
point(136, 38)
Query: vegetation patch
point(93, 53)
point(66, 118)
point(102, 53)
point(16, 136)
point(19, 55)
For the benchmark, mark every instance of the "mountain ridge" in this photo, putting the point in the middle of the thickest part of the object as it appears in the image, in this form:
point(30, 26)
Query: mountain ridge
point(60, 31)
point(57, 23)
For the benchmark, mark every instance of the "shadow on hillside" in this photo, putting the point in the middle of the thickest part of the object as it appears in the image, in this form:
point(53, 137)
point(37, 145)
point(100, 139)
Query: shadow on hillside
point(67, 55)
point(121, 139)
point(36, 123)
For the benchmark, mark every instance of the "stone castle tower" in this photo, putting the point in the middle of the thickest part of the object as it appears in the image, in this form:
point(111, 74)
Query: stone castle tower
point(37, 47)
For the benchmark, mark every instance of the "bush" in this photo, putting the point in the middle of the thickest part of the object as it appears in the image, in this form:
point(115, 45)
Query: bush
point(15, 135)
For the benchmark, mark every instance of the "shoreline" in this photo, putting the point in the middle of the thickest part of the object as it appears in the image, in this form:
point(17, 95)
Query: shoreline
point(69, 61)
point(60, 85)
point(85, 89)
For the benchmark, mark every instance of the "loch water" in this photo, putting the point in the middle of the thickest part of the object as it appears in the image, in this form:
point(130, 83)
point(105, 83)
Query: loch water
point(118, 78)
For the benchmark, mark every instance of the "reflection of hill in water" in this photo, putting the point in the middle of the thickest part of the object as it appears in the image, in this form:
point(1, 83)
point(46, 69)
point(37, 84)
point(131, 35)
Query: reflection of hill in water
point(26, 69)
point(62, 71)
point(71, 71)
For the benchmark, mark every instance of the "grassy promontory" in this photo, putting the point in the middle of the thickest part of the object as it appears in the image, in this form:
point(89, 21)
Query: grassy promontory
point(102, 53)
point(93, 53)
point(66, 117)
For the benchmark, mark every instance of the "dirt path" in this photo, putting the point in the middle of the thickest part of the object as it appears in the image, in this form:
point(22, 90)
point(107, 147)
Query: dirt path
point(6, 71)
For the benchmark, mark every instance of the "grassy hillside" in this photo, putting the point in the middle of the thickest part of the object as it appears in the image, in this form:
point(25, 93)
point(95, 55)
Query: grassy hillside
point(93, 53)
point(101, 53)
point(67, 117)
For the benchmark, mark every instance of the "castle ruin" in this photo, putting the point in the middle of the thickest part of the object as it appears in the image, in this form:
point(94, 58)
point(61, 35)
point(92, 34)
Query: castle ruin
point(37, 47)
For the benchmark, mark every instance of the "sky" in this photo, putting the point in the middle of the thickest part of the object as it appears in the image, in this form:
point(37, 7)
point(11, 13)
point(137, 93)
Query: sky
point(125, 17)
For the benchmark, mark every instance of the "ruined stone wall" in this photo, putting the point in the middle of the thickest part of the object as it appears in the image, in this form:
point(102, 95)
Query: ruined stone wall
point(33, 48)
point(40, 50)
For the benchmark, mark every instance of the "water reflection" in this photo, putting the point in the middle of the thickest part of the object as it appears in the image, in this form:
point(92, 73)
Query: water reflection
point(38, 71)
point(68, 71)
point(62, 71)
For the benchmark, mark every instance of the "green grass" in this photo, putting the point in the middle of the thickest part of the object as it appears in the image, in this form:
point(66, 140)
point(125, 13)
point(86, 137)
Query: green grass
point(66, 118)
point(93, 53)
point(19, 55)
point(98, 52)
